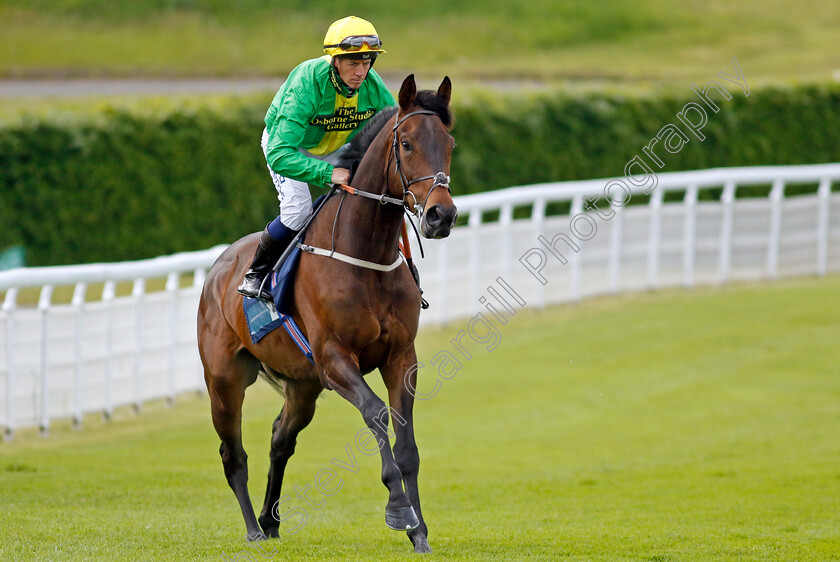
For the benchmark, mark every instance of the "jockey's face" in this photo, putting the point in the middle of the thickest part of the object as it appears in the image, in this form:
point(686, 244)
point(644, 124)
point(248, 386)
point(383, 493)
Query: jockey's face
point(352, 72)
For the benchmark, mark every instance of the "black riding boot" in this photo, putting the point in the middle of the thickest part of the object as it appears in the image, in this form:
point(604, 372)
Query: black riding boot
point(268, 252)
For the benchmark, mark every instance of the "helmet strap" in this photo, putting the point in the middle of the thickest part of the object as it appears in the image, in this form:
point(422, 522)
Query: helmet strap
point(337, 83)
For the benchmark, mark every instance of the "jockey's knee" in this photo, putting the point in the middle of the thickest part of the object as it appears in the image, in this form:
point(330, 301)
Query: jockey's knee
point(295, 218)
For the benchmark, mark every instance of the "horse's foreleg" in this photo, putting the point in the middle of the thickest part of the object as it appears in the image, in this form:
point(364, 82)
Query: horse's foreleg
point(296, 414)
point(226, 396)
point(343, 375)
point(401, 400)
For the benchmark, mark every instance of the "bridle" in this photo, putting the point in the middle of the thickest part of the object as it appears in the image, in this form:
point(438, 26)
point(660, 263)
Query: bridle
point(440, 178)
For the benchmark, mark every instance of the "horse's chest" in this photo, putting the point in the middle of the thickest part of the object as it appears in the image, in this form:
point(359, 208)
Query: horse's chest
point(386, 336)
point(371, 325)
point(384, 332)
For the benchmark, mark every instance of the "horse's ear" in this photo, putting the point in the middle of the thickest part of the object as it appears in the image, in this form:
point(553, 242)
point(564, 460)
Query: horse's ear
point(445, 90)
point(408, 91)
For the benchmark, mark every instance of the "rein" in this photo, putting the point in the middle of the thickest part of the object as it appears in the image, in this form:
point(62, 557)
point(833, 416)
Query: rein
point(381, 198)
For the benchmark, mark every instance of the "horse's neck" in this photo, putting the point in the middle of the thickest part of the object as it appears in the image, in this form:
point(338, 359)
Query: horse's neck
point(369, 228)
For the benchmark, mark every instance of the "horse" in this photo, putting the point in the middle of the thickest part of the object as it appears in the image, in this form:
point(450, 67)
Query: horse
point(356, 318)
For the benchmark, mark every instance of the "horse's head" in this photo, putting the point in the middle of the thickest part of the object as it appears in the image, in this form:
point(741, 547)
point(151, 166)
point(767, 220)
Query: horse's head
point(422, 150)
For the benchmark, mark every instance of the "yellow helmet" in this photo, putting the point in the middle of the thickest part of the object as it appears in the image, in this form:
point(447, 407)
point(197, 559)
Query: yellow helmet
point(350, 36)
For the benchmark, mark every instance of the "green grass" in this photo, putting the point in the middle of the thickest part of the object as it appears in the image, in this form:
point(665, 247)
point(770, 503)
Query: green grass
point(623, 41)
point(679, 425)
point(94, 109)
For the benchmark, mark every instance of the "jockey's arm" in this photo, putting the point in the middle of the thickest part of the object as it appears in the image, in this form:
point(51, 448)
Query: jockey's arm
point(283, 154)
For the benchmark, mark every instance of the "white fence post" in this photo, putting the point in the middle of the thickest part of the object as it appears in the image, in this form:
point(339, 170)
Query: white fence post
point(727, 199)
point(44, 307)
point(689, 234)
point(137, 292)
point(777, 194)
point(474, 257)
point(616, 248)
point(9, 308)
point(172, 281)
point(441, 316)
point(655, 205)
point(199, 275)
point(506, 223)
point(78, 304)
point(109, 291)
point(824, 196)
point(538, 211)
point(575, 258)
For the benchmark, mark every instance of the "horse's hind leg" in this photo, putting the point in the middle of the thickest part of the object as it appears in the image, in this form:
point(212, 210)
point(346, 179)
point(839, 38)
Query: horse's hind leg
point(296, 414)
point(226, 385)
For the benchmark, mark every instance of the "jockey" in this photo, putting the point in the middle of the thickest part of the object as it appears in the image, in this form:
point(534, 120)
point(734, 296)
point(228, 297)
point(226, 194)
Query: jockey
point(317, 110)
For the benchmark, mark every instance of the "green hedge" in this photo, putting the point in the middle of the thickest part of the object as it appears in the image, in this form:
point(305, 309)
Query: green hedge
point(569, 138)
point(129, 185)
point(132, 187)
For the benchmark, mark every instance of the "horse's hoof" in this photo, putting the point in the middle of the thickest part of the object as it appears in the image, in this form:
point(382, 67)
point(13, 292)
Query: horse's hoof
point(270, 527)
point(272, 533)
point(421, 545)
point(401, 519)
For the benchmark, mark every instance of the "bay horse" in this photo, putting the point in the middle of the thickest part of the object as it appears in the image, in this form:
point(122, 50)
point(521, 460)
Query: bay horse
point(356, 319)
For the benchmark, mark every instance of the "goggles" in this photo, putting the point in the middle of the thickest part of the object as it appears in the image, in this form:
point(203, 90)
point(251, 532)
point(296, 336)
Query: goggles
point(355, 42)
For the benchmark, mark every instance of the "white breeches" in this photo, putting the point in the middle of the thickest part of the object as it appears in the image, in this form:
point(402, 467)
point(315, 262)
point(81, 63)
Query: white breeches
point(294, 196)
point(295, 199)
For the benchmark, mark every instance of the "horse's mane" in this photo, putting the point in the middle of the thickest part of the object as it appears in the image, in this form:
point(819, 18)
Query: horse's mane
point(360, 143)
point(426, 99)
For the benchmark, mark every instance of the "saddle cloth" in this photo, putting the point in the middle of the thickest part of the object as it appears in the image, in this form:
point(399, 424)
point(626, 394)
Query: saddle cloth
point(264, 317)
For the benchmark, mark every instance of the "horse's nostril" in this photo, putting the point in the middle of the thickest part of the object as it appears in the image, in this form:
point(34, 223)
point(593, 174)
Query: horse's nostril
point(433, 217)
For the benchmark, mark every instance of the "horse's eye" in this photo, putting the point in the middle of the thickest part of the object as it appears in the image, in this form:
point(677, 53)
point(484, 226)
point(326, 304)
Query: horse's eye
point(405, 145)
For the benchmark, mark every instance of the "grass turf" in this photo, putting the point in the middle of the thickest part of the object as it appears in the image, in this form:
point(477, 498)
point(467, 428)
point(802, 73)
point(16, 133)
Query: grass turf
point(609, 41)
point(678, 425)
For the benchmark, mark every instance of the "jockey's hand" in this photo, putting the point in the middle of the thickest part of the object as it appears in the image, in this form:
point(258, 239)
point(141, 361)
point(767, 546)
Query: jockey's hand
point(340, 175)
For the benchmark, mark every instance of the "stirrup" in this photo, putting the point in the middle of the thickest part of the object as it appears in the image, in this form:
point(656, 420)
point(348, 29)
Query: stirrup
point(268, 250)
point(246, 288)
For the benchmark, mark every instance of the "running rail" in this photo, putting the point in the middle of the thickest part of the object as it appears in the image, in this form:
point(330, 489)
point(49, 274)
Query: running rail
point(528, 246)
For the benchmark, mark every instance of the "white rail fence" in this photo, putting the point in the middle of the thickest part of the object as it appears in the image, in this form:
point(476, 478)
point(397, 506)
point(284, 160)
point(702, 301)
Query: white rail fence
point(102, 351)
